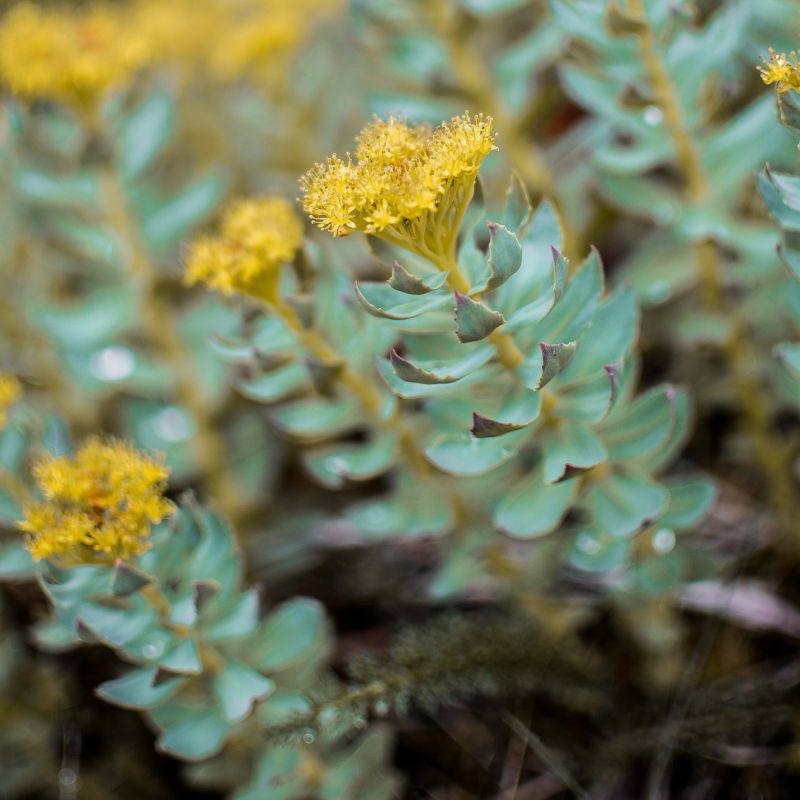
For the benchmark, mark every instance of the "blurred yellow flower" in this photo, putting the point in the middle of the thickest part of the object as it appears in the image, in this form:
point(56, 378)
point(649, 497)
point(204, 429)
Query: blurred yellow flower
point(405, 183)
point(228, 38)
point(180, 30)
point(256, 237)
point(103, 500)
point(781, 70)
point(73, 55)
point(10, 392)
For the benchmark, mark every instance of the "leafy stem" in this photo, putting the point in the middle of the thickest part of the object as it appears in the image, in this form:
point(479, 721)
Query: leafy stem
point(770, 454)
point(158, 321)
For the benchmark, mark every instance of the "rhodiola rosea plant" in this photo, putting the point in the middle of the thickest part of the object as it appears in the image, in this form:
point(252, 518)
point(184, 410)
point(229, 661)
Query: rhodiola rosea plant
point(405, 473)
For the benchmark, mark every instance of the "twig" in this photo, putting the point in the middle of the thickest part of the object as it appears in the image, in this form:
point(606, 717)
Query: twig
point(553, 762)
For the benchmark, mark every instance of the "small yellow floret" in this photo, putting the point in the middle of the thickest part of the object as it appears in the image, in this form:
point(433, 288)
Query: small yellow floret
point(10, 392)
point(69, 55)
point(101, 501)
point(405, 183)
point(256, 237)
point(782, 70)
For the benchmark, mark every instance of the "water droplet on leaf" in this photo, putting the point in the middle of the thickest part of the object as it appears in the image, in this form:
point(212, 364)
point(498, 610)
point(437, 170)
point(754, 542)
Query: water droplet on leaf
point(112, 364)
point(653, 115)
point(588, 544)
point(663, 540)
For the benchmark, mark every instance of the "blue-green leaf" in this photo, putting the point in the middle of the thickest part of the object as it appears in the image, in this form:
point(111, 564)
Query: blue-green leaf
point(127, 579)
point(689, 502)
point(236, 689)
point(439, 371)
point(333, 466)
point(183, 660)
point(282, 706)
point(239, 619)
point(576, 308)
point(640, 428)
point(117, 626)
point(560, 273)
point(787, 217)
point(145, 131)
point(505, 255)
point(317, 419)
point(475, 320)
point(610, 336)
point(194, 733)
point(595, 550)
point(519, 410)
point(517, 209)
point(382, 300)
point(406, 282)
point(554, 358)
point(532, 508)
point(467, 455)
point(410, 390)
point(622, 502)
point(569, 444)
point(277, 384)
point(58, 190)
point(293, 633)
point(136, 690)
point(171, 220)
point(16, 563)
point(535, 277)
point(789, 355)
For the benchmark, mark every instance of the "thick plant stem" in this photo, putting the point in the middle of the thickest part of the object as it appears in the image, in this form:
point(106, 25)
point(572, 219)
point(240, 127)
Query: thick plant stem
point(507, 351)
point(475, 81)
point(770, 454)
point(667, 97)
point(160, 328)
point(153, 594)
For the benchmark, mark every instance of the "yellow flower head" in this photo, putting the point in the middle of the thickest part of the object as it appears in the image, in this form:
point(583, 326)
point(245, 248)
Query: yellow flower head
point(228, 38)
point(781, 70)
point(10, 392)
point(256, 237)
point(405, 183)
point(69, 55)
point(178, 30)
point(103, 500)
point(259, 42)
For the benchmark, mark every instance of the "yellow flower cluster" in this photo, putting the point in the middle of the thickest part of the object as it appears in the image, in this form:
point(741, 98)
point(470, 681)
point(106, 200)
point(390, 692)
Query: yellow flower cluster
point(782, 70)
point(76, 55)
point(69, 55)
point(260, 35)
point(179, 31)
point(256, 237)
point(101, 501)
point(405, 183)
point(10, 392)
